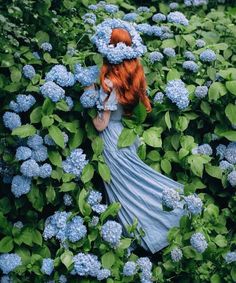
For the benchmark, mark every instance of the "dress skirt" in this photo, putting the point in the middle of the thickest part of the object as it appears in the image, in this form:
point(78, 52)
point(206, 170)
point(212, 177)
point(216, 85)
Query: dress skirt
point(138, 188)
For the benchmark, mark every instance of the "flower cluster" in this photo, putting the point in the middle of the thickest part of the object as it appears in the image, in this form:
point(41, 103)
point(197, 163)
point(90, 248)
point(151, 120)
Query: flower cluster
point(174, 5)
point(195, 2)
point(61, 76)
point(176, 254)
point(170, 198)
point(143, 9)
point(75, 162)
point(208, 55)
point(145, 266)
point(116, 54)
point(28, 71)
point(86, 76)
point(59, 226)
point(198, 242)
point(177, 93)
point(189, 55)
point(201, 91)
point(191, 66)
point(170, 52)
point(203, 149)
point(177, 18)
point(130, 17)
point(130, 268)
point(52, 91)
point(89, 98)
point(9, 261)
point(89, 18)
point(200, 43)
point(94, 198)
point(23, 103)
point(159, 17)
point(159, 97)
point(155, 56)
point(111, 232)
point(67, 200)
point(230, 257)
point(88, 264)
point(194, 204)
point(11, 120)
point(46, 46)
point(47, 266)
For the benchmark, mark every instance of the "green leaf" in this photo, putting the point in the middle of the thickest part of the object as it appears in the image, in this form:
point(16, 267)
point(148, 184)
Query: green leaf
point(83, 205)
point(215, 278)
point(47, 121)
point(181, 123)
point(233, 273)
point(167, 119)
point(37, 237)
point(213, 171)
point(196, 163)
point(56, 135)
point(42, 37)
point(125, 243)
point(112, 210)
point(140, 112)
point(152, 136)
point(126, 138)
point(35, 196)
point(87, 173)
point(50, 193)
point(231, 86)
point(221, 241)
point(216, 90)
point(76, 139)
point(67, 258)
point(6, 244)
point(108, 259)
point(36, 115)
point(166, 166)
point(97, 145)
point(104, 171)
point(55, 158)
point(230, 111)
point(15, 75)
point(67, 187)
point(62, 105)
point(173, 74)
point(189, 252)
point(24, 131)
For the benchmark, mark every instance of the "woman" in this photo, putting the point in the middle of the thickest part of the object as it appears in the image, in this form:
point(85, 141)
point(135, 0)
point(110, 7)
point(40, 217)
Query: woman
point(134, 184)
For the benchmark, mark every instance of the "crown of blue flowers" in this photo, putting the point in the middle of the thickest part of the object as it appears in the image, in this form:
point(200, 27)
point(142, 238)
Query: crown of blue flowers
point(116, 54)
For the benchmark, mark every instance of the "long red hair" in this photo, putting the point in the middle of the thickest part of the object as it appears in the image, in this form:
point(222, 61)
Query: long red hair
point(127, 77)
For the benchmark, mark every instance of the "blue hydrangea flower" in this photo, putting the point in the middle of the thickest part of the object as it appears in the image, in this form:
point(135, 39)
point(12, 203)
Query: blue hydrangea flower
point(93, 7)
point(86, 264)
point(71, 51)
point(94, 197)
point(103, 274)
point(200, 43)
point(45, 170)
point(145, 265)
point(89, 18)
point(111, 9)
point(69, 102)
point(145, 28)
point(67, 199)
point(115, 54)
point(75, 230)
point(203, 149)
point(232, 178)
point(30, 168)
point(143, 9)
point(20, 185)
point(89, 98)
point(208, 55)
point(198, 242)
point(189, 55)
point(170, 52)
point(6, 279)
point(62, 279)
point(49, 141)
point(177, 93)
point(159, 97)
point(18, 224)
point(111, 232)
point(35, 141)
point(196, 3)
point(40, 154)
point(174, 5)
point(230, 153)
point(194, 204)
point(23, 103)
point(155, 56)
point(201, 91)
point(23, 153)
point(9, 261)
point(11, 120)
point(86, 76)
point(75, 162)
point(52, 91)
point(28, 71)
point(191, 66)
point(230, 257)
point(47, 266)
point(220, 150)
point(99, 208)
point(46, 46)
point(176, 254)
point(94, 221)
point(159, 17)
point(177, 18)
point(170, 198)
point(129, 268)
point(61, 76)
point(130, 17)
point(226, 166)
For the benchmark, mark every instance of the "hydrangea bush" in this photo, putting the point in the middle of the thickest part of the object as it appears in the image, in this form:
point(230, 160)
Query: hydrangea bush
point(56, 225)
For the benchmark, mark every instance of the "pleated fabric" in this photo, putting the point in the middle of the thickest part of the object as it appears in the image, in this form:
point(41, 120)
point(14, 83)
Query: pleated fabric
point(138, 188)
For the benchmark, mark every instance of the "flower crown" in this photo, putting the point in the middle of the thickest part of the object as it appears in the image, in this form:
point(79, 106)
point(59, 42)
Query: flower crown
point(116, 54)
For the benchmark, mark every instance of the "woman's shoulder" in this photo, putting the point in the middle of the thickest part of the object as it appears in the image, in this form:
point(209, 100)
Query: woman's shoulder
point(108, 82)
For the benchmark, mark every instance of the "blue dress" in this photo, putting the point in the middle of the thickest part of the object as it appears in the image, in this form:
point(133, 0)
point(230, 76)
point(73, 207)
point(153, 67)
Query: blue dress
point(138, 188)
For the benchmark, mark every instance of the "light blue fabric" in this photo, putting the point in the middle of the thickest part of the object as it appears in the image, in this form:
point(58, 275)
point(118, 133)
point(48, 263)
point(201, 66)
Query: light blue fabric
point(138, 188)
